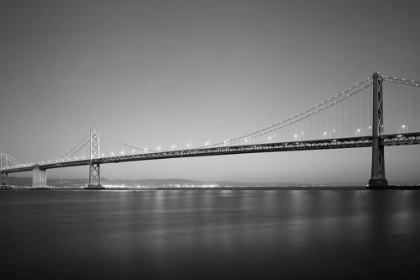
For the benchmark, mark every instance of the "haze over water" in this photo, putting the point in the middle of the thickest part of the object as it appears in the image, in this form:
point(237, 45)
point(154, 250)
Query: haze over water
point(210, 234)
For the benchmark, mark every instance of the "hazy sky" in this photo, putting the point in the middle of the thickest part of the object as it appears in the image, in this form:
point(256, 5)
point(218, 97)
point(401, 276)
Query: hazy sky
point(159, 73)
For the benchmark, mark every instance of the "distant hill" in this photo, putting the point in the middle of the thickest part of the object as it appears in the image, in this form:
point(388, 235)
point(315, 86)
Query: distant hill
point(77, 183)
point(27, 182)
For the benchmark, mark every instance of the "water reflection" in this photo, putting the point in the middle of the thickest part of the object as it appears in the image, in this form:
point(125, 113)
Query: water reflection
point(210, 234)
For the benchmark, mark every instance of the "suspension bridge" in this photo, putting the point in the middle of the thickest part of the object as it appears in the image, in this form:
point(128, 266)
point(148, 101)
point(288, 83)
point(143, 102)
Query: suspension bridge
point(380, 111)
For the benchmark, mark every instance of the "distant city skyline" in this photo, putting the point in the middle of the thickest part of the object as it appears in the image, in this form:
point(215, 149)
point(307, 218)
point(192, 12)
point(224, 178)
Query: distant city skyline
point(165, 73)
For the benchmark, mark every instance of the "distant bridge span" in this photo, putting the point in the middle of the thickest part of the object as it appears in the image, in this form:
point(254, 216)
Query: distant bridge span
point(339, 143)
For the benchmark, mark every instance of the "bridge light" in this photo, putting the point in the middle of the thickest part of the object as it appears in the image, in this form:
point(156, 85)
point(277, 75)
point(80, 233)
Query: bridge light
point(122, 152)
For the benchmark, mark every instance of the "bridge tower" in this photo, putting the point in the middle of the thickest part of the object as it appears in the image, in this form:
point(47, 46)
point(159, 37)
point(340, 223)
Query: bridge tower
point(378, 178)
point(94, 168)
point(4, 163)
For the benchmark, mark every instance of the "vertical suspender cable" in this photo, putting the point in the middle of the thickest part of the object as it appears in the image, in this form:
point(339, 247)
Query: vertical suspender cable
point(336, 125)
point(329, 121)
point(350, 117)
point(410, 103)
point(324, 123)
point(363, 115)
point(394, 102)
point(398, 109)
point(414, 110)
point(342, 119)
point(403, 114)
point(358, 112)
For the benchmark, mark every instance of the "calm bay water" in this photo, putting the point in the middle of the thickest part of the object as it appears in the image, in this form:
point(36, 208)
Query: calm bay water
point(210, 234)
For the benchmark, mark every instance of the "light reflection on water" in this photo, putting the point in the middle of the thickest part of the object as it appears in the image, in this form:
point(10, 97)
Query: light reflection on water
point(210, 233)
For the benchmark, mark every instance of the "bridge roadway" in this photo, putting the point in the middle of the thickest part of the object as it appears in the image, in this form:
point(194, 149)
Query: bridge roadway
point(321, 144)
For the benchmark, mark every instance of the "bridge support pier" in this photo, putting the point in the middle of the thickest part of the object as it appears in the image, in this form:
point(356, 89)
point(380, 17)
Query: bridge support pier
point(378, 179)
point(5, 182)
point(94, 178)
point(4, 176)
point(39, 178)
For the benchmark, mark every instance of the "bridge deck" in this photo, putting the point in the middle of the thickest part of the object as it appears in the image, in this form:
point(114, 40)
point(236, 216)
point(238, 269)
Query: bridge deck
point(323, 144)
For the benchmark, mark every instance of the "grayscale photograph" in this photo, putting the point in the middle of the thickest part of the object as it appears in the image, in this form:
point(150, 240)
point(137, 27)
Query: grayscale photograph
point(209, 139)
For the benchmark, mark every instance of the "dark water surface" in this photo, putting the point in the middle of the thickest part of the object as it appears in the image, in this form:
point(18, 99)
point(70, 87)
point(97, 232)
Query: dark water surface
point(210, 234)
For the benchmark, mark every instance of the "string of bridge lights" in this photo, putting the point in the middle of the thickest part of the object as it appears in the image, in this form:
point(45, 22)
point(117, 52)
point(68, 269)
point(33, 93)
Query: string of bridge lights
point(245, 137)
point(401, 81)
point(12, 159)
point(70, 151)
point(81, 147)
point(302, 118)
point(107, 138)
point(260, 132)
point(252, 134)
point(287, 122)
point(407, 82)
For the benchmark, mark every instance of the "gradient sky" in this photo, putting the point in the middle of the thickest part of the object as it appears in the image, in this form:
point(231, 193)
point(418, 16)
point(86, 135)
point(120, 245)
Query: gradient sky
point(158, 73)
